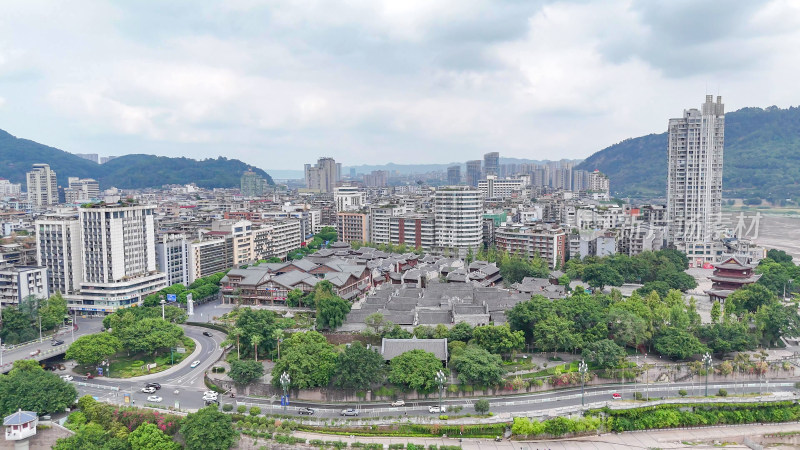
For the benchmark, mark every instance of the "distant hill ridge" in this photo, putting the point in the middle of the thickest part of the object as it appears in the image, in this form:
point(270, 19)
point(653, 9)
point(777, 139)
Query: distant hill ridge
point(761, 159)
point(17, 156)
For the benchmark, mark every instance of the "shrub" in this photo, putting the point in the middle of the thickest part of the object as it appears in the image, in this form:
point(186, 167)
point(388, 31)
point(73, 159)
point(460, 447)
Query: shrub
point(637, 395)
point(443, 417)
point(255, 410)
point(241, 409)
point(482, 406)
point(722, 393)
point(227, 407)
point(683, 393)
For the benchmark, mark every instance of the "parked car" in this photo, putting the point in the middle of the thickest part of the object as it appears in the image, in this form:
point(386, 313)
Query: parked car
point(616, 396)
point(195, 364)
point(154, 398)
point(35, 352)
point(153, 385)
point(206, 333)
point(210, 394)
point(148, 390)
point(349, 412)
point(56, 343)
point(207, 396)
point(67, 377)
point(399, 403)
point(306, 411)
point(437, 410)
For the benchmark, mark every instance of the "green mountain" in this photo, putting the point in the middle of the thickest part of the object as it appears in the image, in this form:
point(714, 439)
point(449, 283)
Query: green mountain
point(762, 158)
point(17, 156)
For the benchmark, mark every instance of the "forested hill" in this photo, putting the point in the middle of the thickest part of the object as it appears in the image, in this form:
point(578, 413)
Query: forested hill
point(17, 156)
point(762, 158)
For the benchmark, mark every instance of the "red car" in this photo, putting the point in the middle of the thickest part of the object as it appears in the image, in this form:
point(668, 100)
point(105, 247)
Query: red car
point(616, 396)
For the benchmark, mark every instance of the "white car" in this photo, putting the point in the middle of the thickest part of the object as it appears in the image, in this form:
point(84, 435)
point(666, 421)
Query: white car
point(195, 364)
point(148, 389)
point(210, 394)
point(154, 398)
point(206, 396)
point(66, 377)
point(436, 410)
point(399, 403)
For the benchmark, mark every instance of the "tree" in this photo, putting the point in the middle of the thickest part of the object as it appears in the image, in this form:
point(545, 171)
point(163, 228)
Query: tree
point(727, 337)
point(553, 334)
point(358, 368)
point(779, 256)
point(678, 344)
point(748, 299)
point(475, 365)
point(394, 331)
point(525, 315)
point(482, 406)
point(90, 436)
point(716, 312)
point(599, 275)
point(149, 335)
point(254, 322)
point(208, 429)
point(331, 312)
point(498, 339)
point(237, 332)
point(604, 354)
point(515, 268)
point(375, 321)
point(148, 436)
point(775, 320)
point(415, 369)
point(294, 298)
point(661, 287)
point(423, 332)
point(309, 360)
point(244, 371)
point(462, 331)
point(30, 388)
point(93, 348)
point(256, 339)
point(627, 328)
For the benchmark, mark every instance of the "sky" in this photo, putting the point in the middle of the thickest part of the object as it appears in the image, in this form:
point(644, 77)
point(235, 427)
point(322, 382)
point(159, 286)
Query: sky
point(280, 83)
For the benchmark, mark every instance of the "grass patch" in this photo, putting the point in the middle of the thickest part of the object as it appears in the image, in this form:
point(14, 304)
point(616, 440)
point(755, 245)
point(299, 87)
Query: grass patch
point(124, 366)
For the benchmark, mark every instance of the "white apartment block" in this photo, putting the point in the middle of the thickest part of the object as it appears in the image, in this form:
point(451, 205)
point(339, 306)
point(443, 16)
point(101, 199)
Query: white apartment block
point(209, 257)
point(323, 176)
point(42, 186)
point(493, 187)
point(59, 247)
point(172, 256)
point(549, 242)
point(598, 218)
point(20, 282)
point(9, 189)
point(458, 212)
point(81, 190)
point(380, 222)
point(349, 198)
point(694, 175)
point(598, 182)
point(413, 230)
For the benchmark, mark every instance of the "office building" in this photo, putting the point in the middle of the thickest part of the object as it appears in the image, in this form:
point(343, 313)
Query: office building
point(491, 164)
point(694, 174)
point(454, 175)
point(459, 225)
point(473, 172)
point(81, 190)
point(42, 186)
point(253, 185)
point(323, 176)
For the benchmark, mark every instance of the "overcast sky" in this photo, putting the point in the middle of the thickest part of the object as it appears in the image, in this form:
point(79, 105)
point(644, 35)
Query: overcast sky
point(278, 83)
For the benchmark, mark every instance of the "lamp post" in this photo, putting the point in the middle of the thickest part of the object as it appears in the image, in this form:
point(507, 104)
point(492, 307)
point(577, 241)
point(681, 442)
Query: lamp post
point(285, 380)
point(789, 281)
point(163, 302)
point(707, 365)
point(636, 379)
point(441, 380)
point(582, 369)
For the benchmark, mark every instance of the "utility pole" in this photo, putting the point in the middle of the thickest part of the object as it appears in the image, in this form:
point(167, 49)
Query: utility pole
point(582, 369)
point(707, 365)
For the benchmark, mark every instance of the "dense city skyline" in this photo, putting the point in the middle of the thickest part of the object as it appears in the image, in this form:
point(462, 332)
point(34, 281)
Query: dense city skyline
point(278, 85)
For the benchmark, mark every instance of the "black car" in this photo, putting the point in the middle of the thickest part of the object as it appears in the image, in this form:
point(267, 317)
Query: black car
point(153, 385)
point(305, 411)
point(206, 333)
point(57, 343)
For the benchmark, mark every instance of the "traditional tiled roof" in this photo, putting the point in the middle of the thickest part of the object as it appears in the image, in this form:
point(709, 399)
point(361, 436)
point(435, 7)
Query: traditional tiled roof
point(20, 417)
point(391, 348)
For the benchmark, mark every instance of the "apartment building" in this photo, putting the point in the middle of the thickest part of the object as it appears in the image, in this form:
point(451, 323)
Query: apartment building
point(42, 186)
point(473, 172)
point(9, 189)
point(81, 190)
point(454, 175)
point(415, 230)
point(493, 187)
point(547, 241)
point(172, 255)
point(491, 164)
point(458, 214)
point(59, 247)
point(252, 185)
point(380, 222)
point(352, 226)
point(20, 282)
point(349, 198)
point(323, 176)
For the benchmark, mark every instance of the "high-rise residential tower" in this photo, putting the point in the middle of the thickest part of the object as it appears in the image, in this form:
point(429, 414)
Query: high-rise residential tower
point(694, 176)
point(454, 175)
point(458, 212)
point(473, 172)
point(491, 163)
point(42, 186)
point(252, 184)
point(323, 176)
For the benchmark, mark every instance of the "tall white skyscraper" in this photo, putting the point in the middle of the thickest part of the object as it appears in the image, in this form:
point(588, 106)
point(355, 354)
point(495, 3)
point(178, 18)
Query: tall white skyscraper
point(42, 186)
point(458, 211)
point(694, 179)
point(324, 175)
point(59, 248)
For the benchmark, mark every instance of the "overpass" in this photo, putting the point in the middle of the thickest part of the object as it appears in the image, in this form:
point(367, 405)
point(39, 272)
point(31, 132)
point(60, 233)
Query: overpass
point(40, 350)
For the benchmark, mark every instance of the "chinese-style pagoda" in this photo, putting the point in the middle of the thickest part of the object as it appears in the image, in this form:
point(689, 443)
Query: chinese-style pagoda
point(730, 275)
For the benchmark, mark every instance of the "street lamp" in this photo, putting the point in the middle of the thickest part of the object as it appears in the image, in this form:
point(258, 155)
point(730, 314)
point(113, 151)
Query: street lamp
point(163, 302)
point(636, 378)
point(285, 380)
point(789, 281)
point(582, 369)
point(441, 380)
point(707, 365)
